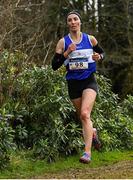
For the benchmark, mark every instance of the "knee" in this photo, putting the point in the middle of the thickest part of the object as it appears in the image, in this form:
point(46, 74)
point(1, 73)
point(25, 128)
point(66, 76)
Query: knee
point(85, 116)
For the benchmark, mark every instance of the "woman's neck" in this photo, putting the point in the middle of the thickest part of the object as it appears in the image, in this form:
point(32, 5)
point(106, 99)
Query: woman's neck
point(76, 36)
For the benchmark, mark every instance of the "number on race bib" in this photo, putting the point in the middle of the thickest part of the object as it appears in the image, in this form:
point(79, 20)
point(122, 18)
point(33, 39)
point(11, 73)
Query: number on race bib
point(78, 64)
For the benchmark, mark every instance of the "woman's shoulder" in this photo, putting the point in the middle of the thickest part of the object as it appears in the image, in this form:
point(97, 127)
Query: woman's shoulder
point(93, 40)
point(90, 36)
point(60, 46)
point(61, 40)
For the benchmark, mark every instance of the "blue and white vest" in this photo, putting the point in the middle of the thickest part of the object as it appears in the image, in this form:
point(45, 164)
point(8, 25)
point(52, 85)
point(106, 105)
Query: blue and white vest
point(79, 63)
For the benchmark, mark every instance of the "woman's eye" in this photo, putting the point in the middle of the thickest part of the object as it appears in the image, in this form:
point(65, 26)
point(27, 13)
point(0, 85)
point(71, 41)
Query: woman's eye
point(69, 20)
point(75, 19)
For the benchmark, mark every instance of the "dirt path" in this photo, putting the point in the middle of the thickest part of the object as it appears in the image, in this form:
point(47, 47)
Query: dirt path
point(120, 170)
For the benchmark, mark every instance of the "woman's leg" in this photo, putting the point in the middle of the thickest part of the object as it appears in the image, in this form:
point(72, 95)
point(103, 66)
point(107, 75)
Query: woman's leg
point(77, 104)
point(88, 99)
point(83, 108)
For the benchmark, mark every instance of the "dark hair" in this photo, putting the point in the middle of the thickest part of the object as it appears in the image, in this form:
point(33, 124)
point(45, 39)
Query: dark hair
point(75, 12)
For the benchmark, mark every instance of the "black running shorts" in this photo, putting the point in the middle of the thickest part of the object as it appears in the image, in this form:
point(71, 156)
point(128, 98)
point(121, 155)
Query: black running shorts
point(76, 87)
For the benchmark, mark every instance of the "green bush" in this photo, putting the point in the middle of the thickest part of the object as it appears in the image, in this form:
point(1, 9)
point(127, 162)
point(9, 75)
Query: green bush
point(127, 106)
point(43, 118)
point(6, 139)
point(43, 94)
point(113, 123)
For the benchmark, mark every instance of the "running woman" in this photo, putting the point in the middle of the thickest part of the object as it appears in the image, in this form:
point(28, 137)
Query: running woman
point(79, 52)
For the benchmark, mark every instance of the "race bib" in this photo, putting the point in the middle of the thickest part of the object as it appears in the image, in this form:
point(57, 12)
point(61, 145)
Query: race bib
point(77, 64)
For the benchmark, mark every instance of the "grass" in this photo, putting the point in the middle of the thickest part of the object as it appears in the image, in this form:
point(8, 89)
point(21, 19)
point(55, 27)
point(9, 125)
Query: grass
point(23, 166)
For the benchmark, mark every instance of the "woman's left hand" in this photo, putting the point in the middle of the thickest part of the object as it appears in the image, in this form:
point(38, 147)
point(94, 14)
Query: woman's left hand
point(96, 56)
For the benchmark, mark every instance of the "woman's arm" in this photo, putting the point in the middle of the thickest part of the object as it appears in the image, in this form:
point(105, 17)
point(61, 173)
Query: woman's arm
point(58, 58)
point(99, 52)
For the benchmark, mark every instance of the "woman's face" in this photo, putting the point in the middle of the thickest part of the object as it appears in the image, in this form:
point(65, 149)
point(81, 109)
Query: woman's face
point(73, 22)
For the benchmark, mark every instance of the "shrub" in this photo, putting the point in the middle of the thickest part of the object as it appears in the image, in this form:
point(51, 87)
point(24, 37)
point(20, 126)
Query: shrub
point(6, 139)
point(43, 117)
point(113, 123)
point(48, 107)
point(127, 106)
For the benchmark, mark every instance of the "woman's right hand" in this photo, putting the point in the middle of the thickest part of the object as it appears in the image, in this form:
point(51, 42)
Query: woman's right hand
point(71, 47)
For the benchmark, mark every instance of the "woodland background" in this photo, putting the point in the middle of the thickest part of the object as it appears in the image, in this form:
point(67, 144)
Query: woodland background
point(35, 111)
point(35, 26)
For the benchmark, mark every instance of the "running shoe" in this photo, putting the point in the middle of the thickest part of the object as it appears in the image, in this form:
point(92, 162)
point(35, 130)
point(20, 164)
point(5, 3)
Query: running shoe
point(85, 158)
point(95, 140)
